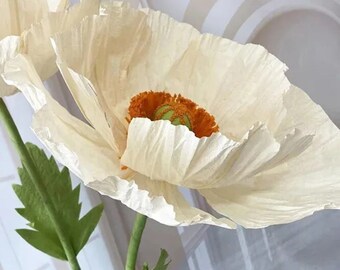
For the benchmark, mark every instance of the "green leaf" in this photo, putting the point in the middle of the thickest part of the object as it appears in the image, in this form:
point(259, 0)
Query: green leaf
point(43, 243)
point(87, 224)
point(145, 266)
point(162, 263)
point(65, 200)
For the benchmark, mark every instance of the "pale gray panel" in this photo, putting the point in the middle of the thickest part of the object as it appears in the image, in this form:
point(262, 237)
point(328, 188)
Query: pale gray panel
point(309, 43)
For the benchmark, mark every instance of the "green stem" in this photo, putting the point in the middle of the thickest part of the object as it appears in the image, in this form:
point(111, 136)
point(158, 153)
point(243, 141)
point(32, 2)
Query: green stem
point(135, 239)
point(27, 161)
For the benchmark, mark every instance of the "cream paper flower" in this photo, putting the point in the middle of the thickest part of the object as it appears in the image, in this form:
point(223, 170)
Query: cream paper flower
point(26, 27)
point(255, 146)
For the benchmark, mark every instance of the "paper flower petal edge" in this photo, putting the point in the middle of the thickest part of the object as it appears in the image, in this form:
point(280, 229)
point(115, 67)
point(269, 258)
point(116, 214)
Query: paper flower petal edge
point(174, 154)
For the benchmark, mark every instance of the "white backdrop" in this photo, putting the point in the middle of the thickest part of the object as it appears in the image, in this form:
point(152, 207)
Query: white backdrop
point(303, 33)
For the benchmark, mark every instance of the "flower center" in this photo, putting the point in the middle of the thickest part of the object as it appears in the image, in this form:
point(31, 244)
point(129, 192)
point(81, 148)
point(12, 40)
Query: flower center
point(175, 108)
point(176, 113)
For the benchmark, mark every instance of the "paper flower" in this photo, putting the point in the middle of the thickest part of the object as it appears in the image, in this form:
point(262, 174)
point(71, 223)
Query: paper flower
point(168, 107)
point(26, 27)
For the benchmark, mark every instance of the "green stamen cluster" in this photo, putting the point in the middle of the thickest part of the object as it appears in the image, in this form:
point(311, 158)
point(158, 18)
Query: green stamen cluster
point(169, 112)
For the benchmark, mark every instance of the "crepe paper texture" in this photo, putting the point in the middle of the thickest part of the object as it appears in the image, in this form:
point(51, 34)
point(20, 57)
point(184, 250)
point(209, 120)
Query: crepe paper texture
point(274, 160)
point(26, 27)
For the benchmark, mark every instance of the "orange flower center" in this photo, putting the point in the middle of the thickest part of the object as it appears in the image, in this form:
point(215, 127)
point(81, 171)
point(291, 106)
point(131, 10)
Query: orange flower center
point(175, 108)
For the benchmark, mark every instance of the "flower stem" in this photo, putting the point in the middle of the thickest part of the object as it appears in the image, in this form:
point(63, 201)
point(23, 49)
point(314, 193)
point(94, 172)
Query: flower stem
point(135, 239)
point(27, 161)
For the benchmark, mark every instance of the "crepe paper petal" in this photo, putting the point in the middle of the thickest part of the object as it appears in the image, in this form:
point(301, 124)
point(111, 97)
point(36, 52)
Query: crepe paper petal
point(260, 152)
point(154, 52)
point(220, 73)
point(86, 98)
point(163, 151)
point(81, 72)
point(19, 72)
point(112, 53)
point(158, 200)
point(280, 170)
point(297, 188)
point(109, 7)
point(35, 22)
point(83, 150)
point(19, 15)
point(57, 5)
point(75, 144)
point(8, 49)
point(94, 37)
point(36, 40)
point(99, 169)
point(292, 145)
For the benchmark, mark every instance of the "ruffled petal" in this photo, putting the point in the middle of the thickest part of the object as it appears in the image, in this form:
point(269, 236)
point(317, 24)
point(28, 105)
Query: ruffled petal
point(128, 52)
point(57, 5)
point(158, 200)
point(8, 49)
point(20, 72)
point(58, 129)
point(19, 15)
point(36, 22)
point(115, 53)
point(281, 171)
point(163, 151)
point(245, 80)
point(90, 158)
point(293, 189)
point(85, 96)
point(75, 144)
point(83, 150)
point(36, 40)
point(108, 7)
